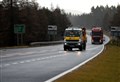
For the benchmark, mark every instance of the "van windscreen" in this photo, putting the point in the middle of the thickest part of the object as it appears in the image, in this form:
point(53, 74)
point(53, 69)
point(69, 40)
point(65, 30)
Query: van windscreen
point(73, 33)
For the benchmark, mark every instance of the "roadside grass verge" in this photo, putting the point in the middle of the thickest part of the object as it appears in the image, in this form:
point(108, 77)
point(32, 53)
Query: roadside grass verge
point(104, 68)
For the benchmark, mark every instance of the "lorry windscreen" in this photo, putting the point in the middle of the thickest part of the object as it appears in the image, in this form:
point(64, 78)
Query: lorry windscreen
point(73, 33)
point(96, 33)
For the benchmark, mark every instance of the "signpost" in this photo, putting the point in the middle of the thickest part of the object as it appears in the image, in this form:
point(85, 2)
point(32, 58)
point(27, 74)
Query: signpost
point(52, 31)
point(19, 29)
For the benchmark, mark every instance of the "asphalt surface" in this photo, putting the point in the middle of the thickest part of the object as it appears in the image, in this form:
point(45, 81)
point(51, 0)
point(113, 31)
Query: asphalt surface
point(39, 64)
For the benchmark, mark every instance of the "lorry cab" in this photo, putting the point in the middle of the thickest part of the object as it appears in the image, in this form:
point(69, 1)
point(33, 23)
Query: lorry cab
point(73, 38)
point(97, 35)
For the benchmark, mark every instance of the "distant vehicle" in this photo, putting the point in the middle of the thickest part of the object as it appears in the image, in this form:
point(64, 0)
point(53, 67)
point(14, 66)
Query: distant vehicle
point(73, 38)
point(97, 35)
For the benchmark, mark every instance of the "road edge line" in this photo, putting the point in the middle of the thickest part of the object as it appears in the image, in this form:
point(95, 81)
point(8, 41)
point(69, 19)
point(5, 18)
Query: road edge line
point(70, 70)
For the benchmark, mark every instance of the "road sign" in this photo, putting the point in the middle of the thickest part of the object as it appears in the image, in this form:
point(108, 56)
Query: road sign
point(52, 32)
point(19, 28)
point(115, 31)
point(52, 29)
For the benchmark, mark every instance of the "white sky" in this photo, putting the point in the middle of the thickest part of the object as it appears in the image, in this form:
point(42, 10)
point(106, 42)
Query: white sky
point(77, 6)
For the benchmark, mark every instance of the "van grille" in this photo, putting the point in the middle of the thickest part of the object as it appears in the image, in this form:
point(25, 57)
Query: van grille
point(72, 40)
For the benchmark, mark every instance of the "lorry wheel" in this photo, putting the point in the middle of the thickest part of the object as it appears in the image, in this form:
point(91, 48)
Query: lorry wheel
point(101, 42)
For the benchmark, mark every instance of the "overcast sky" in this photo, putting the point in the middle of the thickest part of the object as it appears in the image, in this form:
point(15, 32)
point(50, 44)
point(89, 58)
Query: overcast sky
point(77, 6)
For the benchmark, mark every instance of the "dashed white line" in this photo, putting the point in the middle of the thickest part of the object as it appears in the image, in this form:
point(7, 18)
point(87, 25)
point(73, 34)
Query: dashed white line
point(25, 53)
point(15, 63)
point(28, 61)
point(32, 60)
point(22, 62)
point(38, 59)
point(6, 65)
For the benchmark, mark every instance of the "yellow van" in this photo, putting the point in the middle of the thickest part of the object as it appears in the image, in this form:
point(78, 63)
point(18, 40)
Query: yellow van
point(73, 38)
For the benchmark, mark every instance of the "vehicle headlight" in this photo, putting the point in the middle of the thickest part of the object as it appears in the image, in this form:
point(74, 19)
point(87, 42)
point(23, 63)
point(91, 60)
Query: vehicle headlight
point(65, 43)
point(78, 43)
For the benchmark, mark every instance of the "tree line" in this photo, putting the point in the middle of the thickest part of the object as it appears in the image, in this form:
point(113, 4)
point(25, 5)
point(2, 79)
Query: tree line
point(99, 16)
point(35, 18)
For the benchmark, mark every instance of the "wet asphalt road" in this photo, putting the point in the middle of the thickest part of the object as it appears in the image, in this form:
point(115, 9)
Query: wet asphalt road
point(39, 64)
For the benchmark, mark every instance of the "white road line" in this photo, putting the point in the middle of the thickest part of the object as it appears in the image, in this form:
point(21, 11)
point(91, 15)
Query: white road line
point(27, 53)
point(28, 61)
point(70, 70)
point(32, 60)
point(15, 63)
point(6, 65)
point(38, 59)
point(22, 62)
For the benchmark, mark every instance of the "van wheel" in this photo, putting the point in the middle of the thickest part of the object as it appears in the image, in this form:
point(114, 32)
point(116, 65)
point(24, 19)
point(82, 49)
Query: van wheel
point(84, 46)
point(65, 49)
point(80, 48)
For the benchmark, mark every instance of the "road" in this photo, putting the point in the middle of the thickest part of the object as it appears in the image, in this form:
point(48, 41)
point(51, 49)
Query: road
point(39, 64)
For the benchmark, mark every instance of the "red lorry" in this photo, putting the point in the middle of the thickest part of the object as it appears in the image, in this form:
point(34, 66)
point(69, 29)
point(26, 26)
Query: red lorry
point(97, 35)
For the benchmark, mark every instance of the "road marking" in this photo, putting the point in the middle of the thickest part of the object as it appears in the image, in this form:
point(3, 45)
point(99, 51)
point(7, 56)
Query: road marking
point(15, 63)
point(28, 61)
point(76, 67)
point(27, 53)
point(31, 60)
point(22, 62)
point(38, 59)
point(6, 65)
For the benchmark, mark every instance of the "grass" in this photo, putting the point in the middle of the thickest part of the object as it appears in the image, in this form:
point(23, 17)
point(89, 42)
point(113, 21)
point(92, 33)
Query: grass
point(104, 68)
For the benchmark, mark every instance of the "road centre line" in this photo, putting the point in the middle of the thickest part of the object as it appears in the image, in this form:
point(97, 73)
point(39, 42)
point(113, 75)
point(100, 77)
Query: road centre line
point(31, 60)
point(27, 53)
point(6, 65)
point(15, 63)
